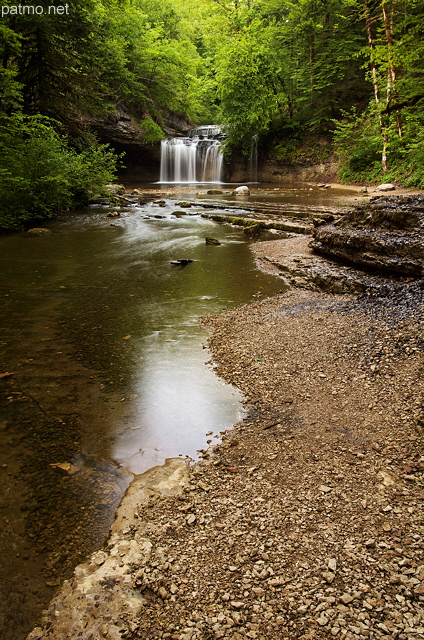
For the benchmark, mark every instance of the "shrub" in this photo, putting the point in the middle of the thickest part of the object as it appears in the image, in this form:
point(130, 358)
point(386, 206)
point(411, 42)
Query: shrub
point(41, 175)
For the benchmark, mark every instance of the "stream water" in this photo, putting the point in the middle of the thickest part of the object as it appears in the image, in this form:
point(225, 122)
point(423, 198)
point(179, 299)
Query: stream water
point(102, 335)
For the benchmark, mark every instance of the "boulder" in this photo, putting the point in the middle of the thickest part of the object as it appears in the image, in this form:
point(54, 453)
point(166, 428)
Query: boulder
point(241, 191)
point(386, 187)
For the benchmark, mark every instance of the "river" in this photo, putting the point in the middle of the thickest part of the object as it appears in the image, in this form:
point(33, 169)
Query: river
point(102, 335)
point(109, 371)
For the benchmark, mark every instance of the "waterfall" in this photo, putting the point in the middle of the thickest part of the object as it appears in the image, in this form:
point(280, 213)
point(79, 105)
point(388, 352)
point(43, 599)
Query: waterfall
point(194, 158)
point(253, 160)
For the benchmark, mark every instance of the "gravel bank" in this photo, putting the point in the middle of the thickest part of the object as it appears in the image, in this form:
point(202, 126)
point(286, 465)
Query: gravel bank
point(306, 522)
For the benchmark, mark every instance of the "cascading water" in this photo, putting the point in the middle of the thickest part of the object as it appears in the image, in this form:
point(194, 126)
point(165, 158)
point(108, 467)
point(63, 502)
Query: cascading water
point(253, 160)
point(194, 158)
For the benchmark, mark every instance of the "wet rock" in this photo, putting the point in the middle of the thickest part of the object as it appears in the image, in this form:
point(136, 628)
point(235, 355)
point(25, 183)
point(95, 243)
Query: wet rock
point(387, 213)
point(113, 214)
point(212, 241)
point(253, 229)
point(214, 192)
point(181, 262)
point(65, 467)
point(184, 204)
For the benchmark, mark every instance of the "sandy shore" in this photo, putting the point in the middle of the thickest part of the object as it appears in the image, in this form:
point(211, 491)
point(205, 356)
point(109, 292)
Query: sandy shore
point(306, 522)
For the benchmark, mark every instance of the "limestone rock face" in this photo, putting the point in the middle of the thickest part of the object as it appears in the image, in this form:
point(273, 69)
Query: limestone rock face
point(385, 234)
point(124, 133)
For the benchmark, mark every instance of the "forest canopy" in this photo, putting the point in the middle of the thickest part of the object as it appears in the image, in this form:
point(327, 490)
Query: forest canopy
point(351, 70)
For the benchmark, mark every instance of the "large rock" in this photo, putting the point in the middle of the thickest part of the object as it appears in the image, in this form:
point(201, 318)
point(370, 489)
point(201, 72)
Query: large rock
point(241, 191)
point(386, 234)
point(387, 186)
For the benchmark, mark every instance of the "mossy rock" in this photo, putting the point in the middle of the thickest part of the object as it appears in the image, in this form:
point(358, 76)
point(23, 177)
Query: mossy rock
point(186, 205)
point(247, 222)
point(178, 214)
point(253, 229)
point(212, 241)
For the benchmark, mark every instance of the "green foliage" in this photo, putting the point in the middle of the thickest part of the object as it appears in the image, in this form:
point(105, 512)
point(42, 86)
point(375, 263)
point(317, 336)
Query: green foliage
point(259, 66)
point(40, 175)
point(358, 142)
point(248, 87)
point(153, 131)
point(286, 153)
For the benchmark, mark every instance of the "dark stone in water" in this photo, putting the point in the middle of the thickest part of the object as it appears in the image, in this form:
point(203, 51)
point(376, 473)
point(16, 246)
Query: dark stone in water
point(182, 262)
point(212, 241)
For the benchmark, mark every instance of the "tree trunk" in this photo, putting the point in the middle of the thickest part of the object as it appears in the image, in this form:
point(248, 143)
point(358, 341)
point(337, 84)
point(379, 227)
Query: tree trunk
point(374, 79)
point(391, 72)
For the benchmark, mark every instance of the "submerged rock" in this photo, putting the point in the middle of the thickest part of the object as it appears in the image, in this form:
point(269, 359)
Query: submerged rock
point(39, 231)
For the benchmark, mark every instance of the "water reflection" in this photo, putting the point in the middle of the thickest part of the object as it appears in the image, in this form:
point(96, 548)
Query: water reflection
point(180, 402)
point(134, 317)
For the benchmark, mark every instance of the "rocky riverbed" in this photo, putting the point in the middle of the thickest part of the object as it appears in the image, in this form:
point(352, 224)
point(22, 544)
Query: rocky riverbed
point(306, 521)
